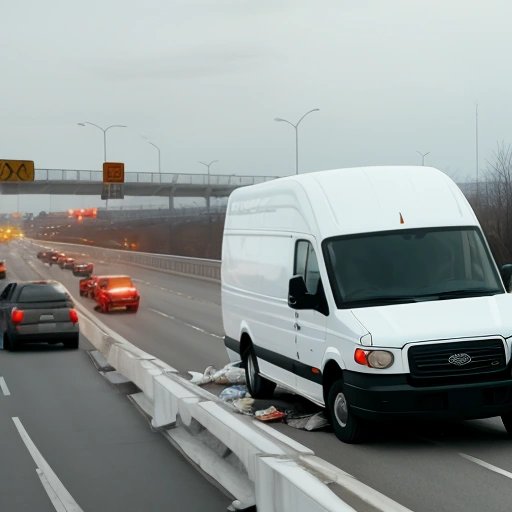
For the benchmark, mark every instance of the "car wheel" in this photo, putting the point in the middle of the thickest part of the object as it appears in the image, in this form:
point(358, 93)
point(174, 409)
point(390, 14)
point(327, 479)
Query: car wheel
point(7, 342)
point(132, 309)
point(347, 427)
point(73, 344)
point(259, 387)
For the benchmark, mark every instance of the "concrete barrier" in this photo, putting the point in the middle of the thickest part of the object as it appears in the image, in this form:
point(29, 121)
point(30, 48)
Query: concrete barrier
point(197, 267)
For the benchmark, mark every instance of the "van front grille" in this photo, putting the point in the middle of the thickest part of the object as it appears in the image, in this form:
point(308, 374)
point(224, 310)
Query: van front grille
point(457, 359)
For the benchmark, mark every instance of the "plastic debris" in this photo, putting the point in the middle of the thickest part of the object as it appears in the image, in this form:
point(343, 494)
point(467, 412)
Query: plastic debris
point(233, 393)
point(244, 405)
point(270, 414)
point(308, 422)
point(230, 374)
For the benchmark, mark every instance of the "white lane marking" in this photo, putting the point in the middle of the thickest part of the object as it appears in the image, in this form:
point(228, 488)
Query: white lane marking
point(60, 497)
point(170, 317)
point(4, 388)
point(486, 465)
point(59, 507)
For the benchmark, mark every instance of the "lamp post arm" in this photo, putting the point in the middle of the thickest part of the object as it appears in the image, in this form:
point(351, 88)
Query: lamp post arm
point(113, 126)
point(281, 120)
point(307, 113)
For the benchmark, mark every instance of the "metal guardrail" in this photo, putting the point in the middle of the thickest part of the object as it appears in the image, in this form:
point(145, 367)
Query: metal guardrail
point(92, 176)
point(197, 267)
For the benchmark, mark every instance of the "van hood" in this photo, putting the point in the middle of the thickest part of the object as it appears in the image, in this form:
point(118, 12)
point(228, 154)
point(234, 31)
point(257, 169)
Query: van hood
point(398, 324)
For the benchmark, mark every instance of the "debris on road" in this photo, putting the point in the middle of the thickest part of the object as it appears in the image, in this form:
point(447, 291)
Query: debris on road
point(244, 405)
point(234, 393)
point(230, 374)
point(308, 422)
point(270, 414)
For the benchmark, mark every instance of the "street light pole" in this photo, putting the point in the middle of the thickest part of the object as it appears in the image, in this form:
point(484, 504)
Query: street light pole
point(104, 130)
point(423, 155)
point(159, 159)
point(296, 127)
point(208, 168)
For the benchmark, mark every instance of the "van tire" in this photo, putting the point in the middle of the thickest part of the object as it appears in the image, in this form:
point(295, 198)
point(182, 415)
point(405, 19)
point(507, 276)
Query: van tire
point(258, 386)
point(347, 427)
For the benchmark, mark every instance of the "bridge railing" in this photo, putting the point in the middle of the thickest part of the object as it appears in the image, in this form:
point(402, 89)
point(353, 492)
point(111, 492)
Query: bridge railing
point(151, 177)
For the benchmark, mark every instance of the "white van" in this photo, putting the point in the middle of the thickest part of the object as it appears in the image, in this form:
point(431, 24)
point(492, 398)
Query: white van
point(371, 291)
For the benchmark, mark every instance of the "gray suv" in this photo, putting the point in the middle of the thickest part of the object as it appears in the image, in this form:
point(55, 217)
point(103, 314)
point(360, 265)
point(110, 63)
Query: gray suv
point(37, 312)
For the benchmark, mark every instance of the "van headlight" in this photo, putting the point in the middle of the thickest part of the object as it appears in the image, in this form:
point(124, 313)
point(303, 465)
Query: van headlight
point(379, 359)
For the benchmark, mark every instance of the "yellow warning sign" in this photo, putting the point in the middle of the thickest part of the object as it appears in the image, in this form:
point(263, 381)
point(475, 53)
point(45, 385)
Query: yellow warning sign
point(113, 172)
point(16, 170)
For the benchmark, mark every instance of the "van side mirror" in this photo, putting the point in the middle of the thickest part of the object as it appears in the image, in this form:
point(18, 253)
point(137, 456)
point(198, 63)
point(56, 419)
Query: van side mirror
point(506, 275)
point(298, 296)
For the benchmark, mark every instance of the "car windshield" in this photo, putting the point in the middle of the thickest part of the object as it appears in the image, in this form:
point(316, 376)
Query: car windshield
point(119, 282)
point(410, 266)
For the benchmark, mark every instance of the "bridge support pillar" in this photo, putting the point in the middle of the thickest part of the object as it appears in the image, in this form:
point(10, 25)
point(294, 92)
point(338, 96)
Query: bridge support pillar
point(171, 203)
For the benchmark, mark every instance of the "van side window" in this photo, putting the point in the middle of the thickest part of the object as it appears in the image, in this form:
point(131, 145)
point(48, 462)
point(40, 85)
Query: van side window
point(306, 265)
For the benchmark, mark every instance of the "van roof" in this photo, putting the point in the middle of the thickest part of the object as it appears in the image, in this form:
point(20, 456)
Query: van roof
point(352, 200)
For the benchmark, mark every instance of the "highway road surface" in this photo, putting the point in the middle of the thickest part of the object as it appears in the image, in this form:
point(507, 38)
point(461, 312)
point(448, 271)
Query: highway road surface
point(453, 467)
point(69, 437)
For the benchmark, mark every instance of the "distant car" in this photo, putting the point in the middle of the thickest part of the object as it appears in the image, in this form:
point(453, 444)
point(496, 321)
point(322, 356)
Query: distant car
point(87, 285)
point(37, 312)
point(56, 257)
point(3, 270)
point(113, 292)
point(67, 263)
point(46, 256)
point(82, 269)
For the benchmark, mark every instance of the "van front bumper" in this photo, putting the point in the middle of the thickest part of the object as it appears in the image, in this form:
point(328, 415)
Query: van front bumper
point(379, 396)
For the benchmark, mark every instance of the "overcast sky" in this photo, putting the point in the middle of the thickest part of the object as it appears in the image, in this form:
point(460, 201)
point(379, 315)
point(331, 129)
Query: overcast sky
point(204, 80)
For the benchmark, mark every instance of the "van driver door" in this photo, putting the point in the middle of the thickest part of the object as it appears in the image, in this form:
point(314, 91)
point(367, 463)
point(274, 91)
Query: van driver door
point(309, 325)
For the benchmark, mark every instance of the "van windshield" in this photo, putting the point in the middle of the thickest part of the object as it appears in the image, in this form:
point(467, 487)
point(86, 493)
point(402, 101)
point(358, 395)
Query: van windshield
point(410, 266)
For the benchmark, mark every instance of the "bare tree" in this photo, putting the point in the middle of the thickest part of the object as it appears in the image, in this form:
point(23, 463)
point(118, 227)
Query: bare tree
point(493, 203)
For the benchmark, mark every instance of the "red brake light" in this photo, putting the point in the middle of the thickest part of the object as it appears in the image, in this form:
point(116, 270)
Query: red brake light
point(17, 316)
point(73, 316)
point(360, 356)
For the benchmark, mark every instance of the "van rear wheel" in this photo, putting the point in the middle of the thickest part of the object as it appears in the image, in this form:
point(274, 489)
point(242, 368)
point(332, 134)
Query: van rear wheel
point(347, 427)
point(258, 386)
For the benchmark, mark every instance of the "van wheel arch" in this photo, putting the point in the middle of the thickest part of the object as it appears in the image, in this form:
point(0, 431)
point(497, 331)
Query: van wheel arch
point(258, 386)
point(332, 373)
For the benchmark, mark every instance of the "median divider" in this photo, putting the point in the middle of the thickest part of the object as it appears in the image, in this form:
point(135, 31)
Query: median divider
point(259, 466)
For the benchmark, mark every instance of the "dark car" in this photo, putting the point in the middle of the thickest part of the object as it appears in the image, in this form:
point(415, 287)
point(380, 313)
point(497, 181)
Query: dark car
point(55, 257)
point(82, 269)
point(37, 312)
point(67, 263)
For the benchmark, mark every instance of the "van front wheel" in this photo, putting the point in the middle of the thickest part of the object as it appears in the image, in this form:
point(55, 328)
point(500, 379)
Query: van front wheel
point(347, 427)
point(258, 386)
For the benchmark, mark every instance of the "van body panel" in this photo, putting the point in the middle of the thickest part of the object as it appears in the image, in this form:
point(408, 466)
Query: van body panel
point(398, 324)
point(272, 226)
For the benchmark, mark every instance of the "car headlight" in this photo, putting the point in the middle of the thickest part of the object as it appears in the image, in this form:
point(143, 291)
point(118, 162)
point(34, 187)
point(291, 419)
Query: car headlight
point(379, 359)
